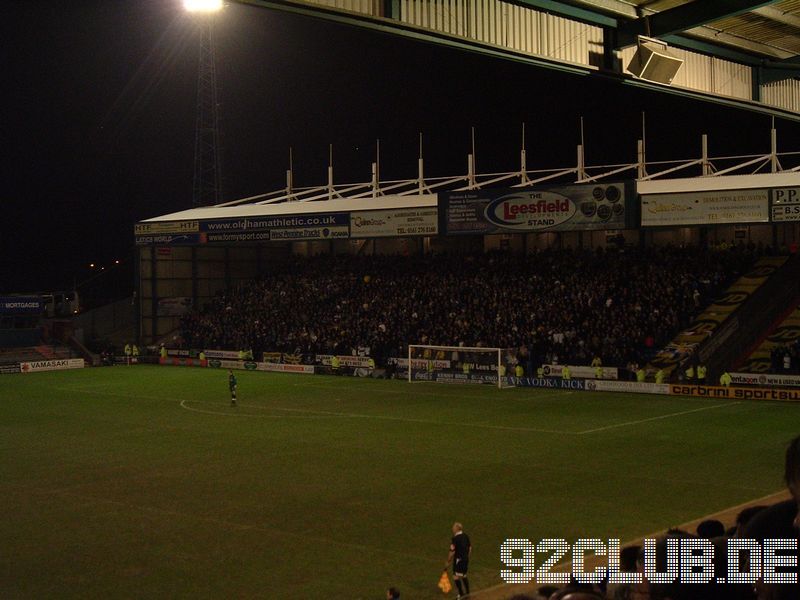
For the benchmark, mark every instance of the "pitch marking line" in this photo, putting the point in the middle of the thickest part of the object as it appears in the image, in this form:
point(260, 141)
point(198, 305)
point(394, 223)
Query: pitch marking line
point(234, 414)
point(667, 416)
point(328, 413)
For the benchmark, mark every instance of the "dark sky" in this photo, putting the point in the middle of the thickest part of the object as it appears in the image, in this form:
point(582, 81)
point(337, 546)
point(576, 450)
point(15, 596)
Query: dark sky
point(99, 109)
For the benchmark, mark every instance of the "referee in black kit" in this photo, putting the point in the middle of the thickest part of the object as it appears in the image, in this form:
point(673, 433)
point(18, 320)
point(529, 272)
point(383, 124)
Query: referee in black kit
point(460, 549)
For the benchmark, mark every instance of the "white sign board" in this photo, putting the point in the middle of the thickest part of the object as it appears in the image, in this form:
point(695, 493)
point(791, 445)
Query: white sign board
point(394, 223)
point(52, 365)
point(705, 208)
point(635, 387)
point(785, 205)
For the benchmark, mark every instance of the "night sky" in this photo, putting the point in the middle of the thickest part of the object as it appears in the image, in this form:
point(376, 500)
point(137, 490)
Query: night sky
point(99, 110)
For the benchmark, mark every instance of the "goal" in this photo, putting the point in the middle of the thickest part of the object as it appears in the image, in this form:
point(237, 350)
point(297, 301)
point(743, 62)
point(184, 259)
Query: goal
point(460, 364)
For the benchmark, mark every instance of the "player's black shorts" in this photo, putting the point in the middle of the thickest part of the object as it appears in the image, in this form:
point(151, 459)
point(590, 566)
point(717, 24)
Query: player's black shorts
point(460, 566)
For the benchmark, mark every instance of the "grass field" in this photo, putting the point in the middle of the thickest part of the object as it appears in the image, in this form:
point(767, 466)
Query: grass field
point(143, 482)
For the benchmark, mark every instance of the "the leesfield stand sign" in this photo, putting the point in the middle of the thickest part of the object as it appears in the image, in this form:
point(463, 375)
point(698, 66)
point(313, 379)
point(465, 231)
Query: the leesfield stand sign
point(560, 208)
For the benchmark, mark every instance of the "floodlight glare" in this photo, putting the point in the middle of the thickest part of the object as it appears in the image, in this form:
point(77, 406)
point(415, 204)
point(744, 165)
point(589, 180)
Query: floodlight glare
point(205, 6)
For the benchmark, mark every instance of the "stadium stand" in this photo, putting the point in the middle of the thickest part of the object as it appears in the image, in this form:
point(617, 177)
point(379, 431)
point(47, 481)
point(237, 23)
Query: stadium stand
point(779, 342)
point(712, 319)
point(565, 305)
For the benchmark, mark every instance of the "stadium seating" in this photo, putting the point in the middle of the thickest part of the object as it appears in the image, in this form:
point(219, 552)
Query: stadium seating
point(564, 305)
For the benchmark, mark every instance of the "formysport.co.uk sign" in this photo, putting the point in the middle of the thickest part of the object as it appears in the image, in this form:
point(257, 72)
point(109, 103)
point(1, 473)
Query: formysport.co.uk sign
point(561, 208)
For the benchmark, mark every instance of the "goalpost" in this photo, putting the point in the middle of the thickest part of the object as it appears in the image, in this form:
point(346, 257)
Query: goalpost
point(460, 364)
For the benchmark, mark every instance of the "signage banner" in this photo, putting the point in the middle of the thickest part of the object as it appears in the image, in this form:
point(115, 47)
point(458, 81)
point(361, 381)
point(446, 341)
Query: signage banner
point(172, 239)
point(167, 227)
point(173, 307)
point(394, 223)
point(418, 363)
point(580, 372)
point(289, 227)
point(286, 368)
point(51, 365)
point(705, 208)
point(252, 236)
point(229, 354)
point(765, 379)
point(8, 369)
point(21, 305)
point(345, 360)
point(302, 234)
point(216, 363)
point(636, 387)
point(785, 205)
point(548, 382)
point(247, 365)
point(559, 208)
point(246, 229)
point(439, 377)
point(734, 393)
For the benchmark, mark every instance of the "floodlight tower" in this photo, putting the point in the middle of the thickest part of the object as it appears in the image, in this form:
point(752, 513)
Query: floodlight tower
point(206, 179)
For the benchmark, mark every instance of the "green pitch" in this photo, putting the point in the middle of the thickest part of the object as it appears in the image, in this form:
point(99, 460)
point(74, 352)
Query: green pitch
point(144, 482)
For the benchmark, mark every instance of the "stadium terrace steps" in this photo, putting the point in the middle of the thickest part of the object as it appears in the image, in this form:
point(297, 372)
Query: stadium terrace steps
point(719, 323)
point(784, 330)
point(13, 355)
point(46, 351)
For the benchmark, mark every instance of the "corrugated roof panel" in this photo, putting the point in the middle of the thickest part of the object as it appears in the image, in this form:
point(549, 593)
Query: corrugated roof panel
point(299, 208)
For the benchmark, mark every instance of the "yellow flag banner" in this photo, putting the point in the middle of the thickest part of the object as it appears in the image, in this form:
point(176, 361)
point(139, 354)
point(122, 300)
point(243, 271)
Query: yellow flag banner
point(444, 583)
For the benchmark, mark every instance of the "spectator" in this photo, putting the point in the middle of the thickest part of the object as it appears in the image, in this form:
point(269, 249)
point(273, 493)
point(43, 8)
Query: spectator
point(569, 304)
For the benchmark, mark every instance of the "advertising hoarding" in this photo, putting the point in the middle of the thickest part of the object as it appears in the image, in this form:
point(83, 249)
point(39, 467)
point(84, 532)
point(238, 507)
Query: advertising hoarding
point(705, 208)
point(394, 223)
point(558, 208)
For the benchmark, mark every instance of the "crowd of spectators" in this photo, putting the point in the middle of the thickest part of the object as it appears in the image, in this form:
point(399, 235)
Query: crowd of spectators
point(785, 359)
point(564, 305)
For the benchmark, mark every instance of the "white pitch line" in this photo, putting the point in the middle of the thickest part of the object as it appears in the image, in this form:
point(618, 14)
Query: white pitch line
point(423, 421)
point(342, 414)
point(638, 421)
point(233, 414)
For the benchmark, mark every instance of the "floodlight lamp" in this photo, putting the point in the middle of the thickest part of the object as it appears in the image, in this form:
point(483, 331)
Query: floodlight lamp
point(202, 6)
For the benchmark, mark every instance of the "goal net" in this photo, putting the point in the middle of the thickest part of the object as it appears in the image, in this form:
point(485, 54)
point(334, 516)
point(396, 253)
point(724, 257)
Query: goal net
point(460, 364)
